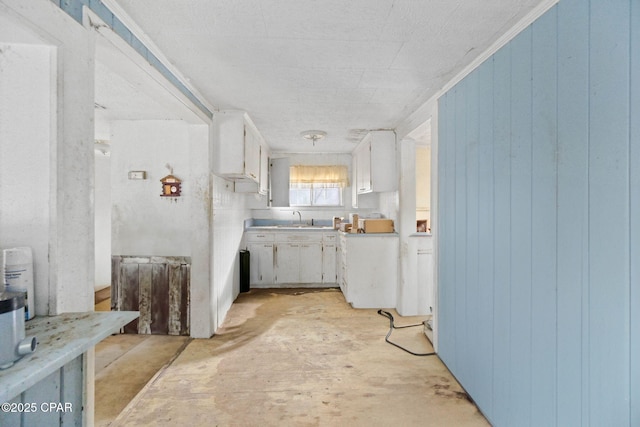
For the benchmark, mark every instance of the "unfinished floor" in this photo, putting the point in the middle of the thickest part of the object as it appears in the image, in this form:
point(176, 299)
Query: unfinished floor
point(297, 358)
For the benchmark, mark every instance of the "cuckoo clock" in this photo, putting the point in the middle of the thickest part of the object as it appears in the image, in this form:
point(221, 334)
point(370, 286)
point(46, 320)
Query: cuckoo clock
point(170, 186)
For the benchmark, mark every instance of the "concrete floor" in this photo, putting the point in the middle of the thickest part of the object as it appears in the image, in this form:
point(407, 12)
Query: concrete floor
point(293, 358)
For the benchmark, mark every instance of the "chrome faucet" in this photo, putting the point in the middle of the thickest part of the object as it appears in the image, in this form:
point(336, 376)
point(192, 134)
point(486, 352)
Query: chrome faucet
point(299, 215)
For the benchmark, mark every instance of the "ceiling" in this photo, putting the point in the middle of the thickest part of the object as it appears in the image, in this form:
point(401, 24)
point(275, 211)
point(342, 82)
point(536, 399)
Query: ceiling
point(124, 91)
point(344, 67)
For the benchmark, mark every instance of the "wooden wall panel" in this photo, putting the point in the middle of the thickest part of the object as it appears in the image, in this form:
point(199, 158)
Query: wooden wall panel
point(572, 211)
point(160, 299)
point(446, 295)
point(115, 280)
point(145, 278)
point(72, 386)
point(543, 219)
point(159, 288)
point(520, 317)
point(175, 289)
point(12, 418)
point(56, 400)
point(634, 182)
point(501, 241)
point(460, 224)
point(185, 299)
point(130, 294)
point(471, 307)
point(483, 370)
point(47, 390)
point(609, 212)
point(539, 222)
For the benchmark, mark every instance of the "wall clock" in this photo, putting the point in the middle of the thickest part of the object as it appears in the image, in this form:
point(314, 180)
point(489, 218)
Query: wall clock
point(171, 186)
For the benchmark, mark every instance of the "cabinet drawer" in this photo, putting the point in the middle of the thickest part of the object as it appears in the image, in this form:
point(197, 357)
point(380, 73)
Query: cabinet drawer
point(299, 237)
point(330, 237)
point(260, 237)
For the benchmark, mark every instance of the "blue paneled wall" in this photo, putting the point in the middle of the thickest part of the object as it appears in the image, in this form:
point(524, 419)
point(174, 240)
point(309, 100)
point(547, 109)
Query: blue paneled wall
point(539, 209)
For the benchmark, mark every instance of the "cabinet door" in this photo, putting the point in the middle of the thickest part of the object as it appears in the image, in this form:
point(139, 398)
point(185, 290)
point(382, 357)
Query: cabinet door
point(264, 170)
point(382, 161)
point(340, 267)
point(329, 263)
point(288, 263)
point(251, 155)
point(354, 179)
point(425, 278)
point(228, 140)
point(364, 168)
point(261, 263)
point(311, 263)
point(279, 176)
point(359, 171)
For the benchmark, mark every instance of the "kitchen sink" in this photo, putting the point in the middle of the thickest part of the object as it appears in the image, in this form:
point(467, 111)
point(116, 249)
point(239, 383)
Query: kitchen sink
point(295, 227)
point(302, 226)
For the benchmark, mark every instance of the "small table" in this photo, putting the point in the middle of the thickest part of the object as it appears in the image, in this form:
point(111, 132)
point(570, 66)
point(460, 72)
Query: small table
point(49, 386)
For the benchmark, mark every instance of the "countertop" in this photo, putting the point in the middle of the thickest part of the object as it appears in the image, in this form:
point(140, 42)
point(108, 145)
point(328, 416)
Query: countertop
point(289, 228)
point(60, 339)
point(305, 229)
point(394, 234)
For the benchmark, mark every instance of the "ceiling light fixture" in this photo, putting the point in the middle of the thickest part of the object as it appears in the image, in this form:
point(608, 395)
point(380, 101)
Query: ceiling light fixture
point(313, 135)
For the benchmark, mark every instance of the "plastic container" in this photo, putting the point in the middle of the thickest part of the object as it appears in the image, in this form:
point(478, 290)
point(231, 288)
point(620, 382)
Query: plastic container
point(13, 344)
point(17, 268)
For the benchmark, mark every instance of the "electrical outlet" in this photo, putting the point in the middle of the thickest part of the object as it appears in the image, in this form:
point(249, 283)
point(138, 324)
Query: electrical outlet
point(137, 175)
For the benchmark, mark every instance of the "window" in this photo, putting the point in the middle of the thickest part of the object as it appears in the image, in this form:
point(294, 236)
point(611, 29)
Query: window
point(317, 185)
point(315, 195)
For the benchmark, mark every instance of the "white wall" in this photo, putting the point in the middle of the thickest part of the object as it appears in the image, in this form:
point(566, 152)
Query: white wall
point(25, 132)
point(203, 303)
point(102, 197)
point(58, 171)
point(229, 213)
point(143, 223)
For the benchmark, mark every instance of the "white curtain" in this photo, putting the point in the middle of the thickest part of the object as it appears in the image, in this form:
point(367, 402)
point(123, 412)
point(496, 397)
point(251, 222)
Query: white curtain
point(301, 176)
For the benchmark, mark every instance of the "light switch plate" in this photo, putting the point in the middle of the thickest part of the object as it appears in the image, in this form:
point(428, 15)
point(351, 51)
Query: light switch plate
point(137, 175)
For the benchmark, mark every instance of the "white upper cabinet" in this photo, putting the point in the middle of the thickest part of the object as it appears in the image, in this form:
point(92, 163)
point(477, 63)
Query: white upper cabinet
point(279, 176)
point(238, 150)
point(354, 180)
point(264, 169)
point(251, 154)
point(375, 163)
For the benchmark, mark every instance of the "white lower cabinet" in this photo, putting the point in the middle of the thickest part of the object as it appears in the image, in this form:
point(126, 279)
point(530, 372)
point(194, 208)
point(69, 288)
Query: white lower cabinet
point(329, 263)
point(292, 259)
point(369, 267)
point(364, 266)
point(261, 248)
point(310, 266)
point(261, 263)
point(287, 263)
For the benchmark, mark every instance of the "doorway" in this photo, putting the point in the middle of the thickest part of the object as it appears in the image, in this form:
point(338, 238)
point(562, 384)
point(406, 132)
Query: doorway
point(422, 242)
